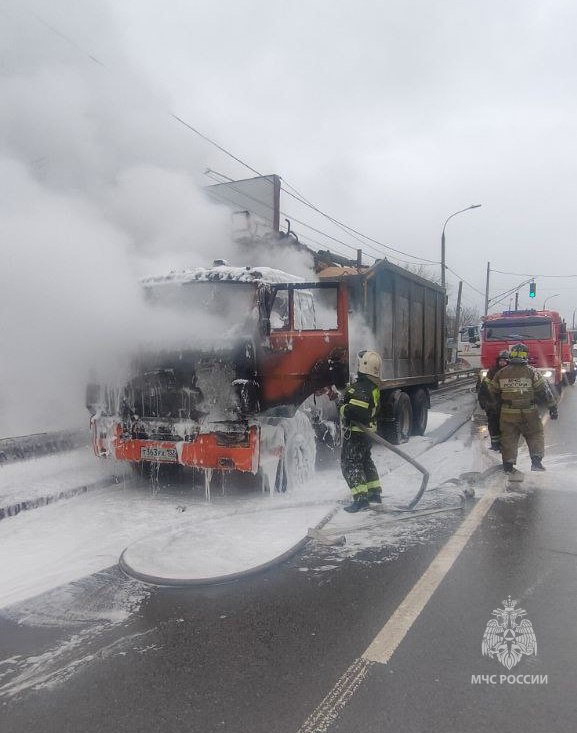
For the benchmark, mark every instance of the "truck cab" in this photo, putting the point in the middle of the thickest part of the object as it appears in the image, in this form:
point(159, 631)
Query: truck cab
point(541, 331)
point(233, 353)
point(469, 346)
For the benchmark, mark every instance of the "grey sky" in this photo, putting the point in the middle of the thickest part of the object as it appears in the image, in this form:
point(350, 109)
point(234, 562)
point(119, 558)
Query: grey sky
point(388, 116)
point(391, 116)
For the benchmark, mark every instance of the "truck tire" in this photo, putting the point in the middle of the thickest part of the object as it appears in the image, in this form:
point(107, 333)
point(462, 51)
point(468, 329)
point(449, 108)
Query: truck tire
point(397, 423)
point(299, 452)
point(299, 460)
point(420, 404)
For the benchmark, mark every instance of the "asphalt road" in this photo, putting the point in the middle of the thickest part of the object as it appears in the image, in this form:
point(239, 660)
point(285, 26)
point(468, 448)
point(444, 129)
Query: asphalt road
point(262, 654)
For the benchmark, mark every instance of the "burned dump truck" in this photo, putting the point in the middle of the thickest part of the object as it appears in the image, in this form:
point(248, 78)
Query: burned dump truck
point(241, 390)
point(223, 397)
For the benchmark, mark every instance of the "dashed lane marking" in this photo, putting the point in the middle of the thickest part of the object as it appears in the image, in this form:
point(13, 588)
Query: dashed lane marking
point(383, 646)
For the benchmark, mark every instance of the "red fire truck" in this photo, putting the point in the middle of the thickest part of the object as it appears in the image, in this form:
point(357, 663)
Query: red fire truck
point(542, 331)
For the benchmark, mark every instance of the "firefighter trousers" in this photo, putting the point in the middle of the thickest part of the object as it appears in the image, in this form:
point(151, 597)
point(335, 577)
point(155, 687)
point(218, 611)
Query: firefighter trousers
point(357, 464)
point(527, 423)
point(493, 420)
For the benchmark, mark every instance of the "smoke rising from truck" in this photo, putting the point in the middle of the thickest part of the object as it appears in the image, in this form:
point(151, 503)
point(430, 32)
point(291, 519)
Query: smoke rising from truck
point(100, 187)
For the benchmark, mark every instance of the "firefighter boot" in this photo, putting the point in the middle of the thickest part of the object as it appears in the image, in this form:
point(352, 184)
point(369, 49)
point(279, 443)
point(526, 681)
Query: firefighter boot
point(496, 444)
point(360, 502)
point(536, 464)
point(374, 496)
point(508, 467)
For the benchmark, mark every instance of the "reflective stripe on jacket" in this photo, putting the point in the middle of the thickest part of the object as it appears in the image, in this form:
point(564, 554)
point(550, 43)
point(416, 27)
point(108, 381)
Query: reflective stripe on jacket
point(361, 401)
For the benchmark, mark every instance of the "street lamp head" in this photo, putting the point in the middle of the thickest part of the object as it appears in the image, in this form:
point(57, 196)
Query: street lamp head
point(472, 206)
point(549, 298)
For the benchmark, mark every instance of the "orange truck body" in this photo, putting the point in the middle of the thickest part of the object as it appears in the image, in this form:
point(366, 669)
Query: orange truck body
point(282, 363)
point(233, 403)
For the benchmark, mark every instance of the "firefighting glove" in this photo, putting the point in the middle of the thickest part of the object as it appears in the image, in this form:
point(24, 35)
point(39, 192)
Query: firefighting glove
point(553, 414)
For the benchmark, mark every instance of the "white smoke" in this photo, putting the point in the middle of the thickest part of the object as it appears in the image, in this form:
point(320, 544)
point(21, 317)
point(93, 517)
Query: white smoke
point(98, 188)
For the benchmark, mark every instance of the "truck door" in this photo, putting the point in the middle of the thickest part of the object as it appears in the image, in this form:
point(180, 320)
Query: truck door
point(306, 346)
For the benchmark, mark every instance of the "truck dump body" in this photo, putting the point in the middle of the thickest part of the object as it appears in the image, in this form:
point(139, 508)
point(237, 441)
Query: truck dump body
point(405, 318)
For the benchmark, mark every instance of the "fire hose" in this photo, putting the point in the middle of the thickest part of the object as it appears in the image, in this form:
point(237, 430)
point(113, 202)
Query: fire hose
point(397, 451)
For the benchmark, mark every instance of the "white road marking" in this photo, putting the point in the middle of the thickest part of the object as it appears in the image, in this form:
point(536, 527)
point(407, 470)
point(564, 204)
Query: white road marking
point(328, 711)
point(394, 631)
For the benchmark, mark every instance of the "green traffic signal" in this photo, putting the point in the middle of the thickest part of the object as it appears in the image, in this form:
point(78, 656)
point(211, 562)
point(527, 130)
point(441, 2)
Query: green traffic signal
point(532, 290)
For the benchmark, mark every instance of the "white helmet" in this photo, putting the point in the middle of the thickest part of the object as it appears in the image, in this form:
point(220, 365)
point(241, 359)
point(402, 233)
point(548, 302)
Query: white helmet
point(369, 363)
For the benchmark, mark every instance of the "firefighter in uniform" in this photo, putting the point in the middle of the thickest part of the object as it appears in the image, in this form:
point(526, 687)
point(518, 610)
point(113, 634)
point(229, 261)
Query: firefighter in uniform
point(489, 404)
point(360, 404)
point(519, 388)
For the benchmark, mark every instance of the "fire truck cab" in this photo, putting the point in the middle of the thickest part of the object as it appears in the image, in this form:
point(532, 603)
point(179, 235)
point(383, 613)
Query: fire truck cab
point(542, 331)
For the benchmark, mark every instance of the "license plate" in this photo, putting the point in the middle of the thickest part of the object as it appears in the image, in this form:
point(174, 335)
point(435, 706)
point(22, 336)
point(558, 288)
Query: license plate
point(154, 453)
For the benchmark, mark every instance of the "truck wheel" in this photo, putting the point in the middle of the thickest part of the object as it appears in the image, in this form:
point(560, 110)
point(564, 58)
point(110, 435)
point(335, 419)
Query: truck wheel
point(299, 463)
point(420, 405)
point(397, 425)
point(299, 454)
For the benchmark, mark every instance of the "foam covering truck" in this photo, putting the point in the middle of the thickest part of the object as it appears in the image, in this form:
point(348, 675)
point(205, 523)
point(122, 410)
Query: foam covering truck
point(239, 391)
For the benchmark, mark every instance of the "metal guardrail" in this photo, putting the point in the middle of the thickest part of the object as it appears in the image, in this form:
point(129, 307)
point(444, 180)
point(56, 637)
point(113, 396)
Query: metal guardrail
point(458, 375)
point(29, 446)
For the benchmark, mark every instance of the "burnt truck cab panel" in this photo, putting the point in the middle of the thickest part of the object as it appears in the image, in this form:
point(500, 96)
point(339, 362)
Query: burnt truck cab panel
point(244, 341)
point(307, 344)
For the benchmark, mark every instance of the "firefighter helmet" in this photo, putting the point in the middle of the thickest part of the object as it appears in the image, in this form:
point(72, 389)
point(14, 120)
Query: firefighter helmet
point(369, 363)
point(519, 354)
point(503, 355)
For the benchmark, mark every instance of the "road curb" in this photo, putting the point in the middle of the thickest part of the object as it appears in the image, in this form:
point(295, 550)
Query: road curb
point(25, 447)
point(12, 510)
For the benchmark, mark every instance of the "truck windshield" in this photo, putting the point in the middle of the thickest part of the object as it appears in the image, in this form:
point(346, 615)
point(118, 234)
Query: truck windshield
point(517, 330)
point(231, 301)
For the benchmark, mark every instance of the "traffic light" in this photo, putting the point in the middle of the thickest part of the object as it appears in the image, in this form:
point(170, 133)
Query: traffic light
point(532, 289)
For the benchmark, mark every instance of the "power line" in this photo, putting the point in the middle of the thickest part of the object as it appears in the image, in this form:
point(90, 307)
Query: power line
point(355, 231)
point(264, 203)
point(527, 274)
point(213, 142)
point(297, 195)
point(456, 274)
point(283, 213)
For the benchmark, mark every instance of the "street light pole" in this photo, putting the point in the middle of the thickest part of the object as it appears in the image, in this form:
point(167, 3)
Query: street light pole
point(549, 298)
point(487, 288)
point(443, 266)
